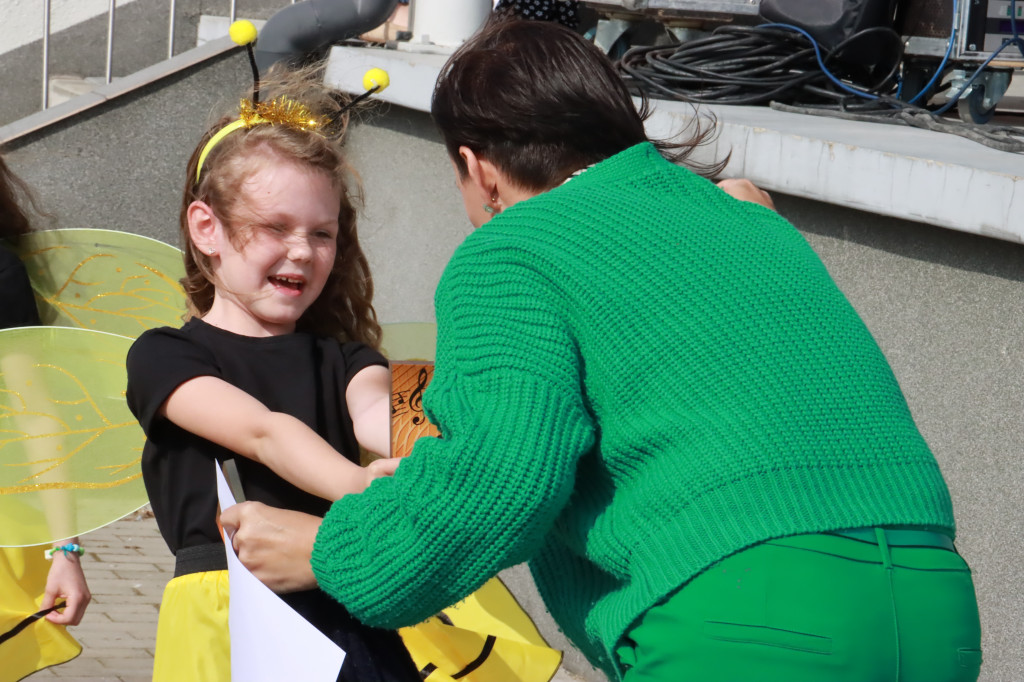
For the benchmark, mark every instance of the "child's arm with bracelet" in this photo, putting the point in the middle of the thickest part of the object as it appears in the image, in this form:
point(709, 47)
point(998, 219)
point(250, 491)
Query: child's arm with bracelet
point(228, 416)
point(66, 581)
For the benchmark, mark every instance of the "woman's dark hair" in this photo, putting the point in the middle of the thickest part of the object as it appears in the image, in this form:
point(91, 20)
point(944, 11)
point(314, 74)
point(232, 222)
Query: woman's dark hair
point(540, 102)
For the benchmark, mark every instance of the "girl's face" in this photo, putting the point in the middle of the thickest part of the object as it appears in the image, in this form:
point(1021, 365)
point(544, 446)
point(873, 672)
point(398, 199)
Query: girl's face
point(287, 225)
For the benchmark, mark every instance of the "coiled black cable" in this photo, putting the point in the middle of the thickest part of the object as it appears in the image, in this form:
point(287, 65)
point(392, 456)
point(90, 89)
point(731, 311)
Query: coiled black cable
point(740, 65)
point(757, 65)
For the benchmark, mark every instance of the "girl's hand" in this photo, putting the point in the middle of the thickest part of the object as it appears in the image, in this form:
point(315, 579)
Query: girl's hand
point(66, 581)
point(381, 468)
point(745, 190)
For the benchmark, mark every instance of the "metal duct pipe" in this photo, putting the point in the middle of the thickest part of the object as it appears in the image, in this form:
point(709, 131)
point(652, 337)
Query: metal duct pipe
point(312, 25)
point(447, 23)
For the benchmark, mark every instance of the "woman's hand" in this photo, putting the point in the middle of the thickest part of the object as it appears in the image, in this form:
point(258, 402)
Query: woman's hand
point(745, 190)
point(66, 581)
point(275, 544)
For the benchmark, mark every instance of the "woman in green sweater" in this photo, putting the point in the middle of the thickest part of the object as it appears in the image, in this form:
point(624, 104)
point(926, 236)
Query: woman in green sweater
point(657, 396)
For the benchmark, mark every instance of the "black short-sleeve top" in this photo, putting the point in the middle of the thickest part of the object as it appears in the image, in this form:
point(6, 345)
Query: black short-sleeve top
point(298, 374)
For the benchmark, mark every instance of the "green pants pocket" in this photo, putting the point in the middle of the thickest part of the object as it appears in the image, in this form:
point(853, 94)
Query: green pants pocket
point(759, 634)
point(970, 659)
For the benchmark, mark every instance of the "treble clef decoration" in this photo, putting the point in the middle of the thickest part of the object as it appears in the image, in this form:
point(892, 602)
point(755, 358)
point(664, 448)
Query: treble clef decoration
point(416, 397)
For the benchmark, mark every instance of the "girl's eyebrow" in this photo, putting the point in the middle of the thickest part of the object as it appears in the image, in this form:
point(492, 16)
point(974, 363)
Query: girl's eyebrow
point(282, 223)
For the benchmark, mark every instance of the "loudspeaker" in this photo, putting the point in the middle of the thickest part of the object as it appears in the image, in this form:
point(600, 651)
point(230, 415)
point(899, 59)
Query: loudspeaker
point(830, 22)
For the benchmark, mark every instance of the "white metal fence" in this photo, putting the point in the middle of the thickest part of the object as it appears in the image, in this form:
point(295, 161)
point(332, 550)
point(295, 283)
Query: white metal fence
point(111, 36)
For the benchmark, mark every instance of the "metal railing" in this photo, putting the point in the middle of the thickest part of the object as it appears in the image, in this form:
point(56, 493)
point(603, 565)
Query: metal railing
point(232, 13)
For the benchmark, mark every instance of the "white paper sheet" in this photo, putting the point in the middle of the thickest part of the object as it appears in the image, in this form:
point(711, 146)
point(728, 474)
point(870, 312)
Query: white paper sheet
point(270, 642)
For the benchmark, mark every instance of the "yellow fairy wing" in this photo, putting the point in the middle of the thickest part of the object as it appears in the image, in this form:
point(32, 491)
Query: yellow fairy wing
point(23, 575)
point(103, 279)
point(70, 449)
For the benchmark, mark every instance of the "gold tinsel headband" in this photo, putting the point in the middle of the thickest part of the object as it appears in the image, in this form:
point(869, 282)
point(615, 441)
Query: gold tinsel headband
point(280, 111)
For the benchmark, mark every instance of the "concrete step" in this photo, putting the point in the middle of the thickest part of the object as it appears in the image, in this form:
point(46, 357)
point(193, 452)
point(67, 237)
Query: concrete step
point(64, 88)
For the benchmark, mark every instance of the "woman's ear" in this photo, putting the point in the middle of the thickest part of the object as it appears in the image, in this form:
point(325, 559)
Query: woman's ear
point(203, 227)
point(481, 174)
point(495, 190)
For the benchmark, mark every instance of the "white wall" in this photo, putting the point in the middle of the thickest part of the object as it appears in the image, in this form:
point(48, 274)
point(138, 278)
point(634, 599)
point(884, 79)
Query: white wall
point(21, 21)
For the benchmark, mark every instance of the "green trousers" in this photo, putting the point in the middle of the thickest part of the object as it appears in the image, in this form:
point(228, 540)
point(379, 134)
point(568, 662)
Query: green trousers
point(874, 607)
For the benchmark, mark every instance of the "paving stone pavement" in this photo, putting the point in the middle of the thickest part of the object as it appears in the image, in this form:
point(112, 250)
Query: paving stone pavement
point(126, 565)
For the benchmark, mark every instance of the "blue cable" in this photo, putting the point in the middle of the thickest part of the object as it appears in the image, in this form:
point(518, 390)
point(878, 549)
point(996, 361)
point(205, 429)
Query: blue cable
point(1015, 40)
point(821, 62)
point(945, 58)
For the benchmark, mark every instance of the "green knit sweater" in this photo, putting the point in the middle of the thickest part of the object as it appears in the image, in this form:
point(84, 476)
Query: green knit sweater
point(636, 376)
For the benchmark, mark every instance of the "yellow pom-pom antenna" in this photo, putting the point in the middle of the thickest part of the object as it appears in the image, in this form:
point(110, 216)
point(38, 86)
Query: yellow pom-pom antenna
point(242, 32)
point(376, 79)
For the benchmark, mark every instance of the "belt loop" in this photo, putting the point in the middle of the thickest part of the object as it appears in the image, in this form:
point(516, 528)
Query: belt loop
point(883, 546)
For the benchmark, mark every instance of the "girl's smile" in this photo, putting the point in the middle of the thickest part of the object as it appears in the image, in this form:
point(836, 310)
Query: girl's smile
point(287, 283)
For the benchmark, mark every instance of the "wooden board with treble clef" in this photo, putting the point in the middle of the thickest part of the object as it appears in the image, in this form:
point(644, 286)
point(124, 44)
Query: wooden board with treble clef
point(408, 381)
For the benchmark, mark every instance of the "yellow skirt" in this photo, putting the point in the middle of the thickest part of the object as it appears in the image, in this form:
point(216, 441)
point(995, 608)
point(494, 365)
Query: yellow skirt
point(487, 637)
point(192, 637)
point(23, 572)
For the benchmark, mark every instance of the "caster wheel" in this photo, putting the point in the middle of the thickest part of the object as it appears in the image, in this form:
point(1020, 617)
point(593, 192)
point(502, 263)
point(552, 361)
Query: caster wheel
point(972, 107)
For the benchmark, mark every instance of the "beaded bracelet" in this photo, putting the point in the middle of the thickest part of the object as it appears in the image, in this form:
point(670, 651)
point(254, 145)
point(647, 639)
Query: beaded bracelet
point(67, 549)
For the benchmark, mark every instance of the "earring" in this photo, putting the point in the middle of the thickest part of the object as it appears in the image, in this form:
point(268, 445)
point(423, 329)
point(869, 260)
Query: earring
point(213, 252)
point(489, 209)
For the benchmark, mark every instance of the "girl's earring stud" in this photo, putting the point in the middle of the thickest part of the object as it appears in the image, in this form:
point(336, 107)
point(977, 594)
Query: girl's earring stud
point(489, 209)
point(213, 252)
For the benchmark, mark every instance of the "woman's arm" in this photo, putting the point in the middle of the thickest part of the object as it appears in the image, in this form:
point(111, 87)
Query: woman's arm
point(228, 416)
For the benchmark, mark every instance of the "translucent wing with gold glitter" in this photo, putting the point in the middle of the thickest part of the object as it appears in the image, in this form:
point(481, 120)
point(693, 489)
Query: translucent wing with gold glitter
point(69, 447)
point(110, 281)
